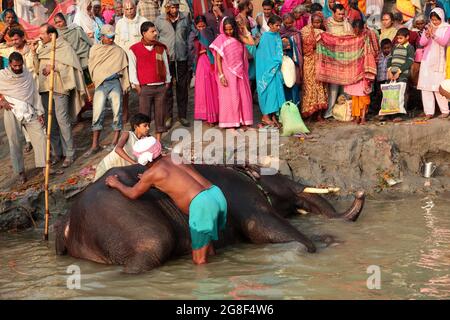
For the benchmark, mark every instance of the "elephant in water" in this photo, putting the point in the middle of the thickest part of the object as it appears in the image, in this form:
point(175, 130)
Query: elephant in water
point(105, 227)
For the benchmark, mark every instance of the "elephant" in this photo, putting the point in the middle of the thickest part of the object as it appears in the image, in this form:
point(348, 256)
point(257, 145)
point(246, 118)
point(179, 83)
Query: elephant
point(105, 227)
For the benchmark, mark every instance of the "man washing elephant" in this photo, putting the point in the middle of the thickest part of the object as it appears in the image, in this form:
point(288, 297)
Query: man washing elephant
point(189, 190)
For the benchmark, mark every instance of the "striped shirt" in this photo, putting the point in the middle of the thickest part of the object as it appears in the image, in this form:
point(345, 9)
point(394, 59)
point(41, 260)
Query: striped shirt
point(402, 58)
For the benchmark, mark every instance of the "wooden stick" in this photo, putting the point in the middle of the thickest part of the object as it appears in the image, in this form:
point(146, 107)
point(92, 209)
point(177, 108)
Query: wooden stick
point(320, 190)
point(49, 129)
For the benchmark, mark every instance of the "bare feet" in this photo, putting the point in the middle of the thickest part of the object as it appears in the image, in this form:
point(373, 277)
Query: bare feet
point(199, 256)
point(443, 116)
point(428, 117)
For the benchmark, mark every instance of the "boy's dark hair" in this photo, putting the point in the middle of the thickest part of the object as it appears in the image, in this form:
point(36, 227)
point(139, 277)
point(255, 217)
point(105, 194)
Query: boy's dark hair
point(138, 119)
point(274, 19)
point(15, 31)
point(404, 32)
point(15, 56)
point(385, 42)
point(315, 7)
point(145, 26)
point(337, 6)
point(267, 3)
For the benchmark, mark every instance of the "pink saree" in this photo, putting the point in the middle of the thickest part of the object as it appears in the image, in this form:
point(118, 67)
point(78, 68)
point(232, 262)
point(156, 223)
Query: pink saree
point(235, 100)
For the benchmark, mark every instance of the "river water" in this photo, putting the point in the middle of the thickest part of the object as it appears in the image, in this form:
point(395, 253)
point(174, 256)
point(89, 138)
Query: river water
point(398, 249)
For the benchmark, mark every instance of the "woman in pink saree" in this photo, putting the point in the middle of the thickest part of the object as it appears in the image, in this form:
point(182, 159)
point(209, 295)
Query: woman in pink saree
point(231, 57)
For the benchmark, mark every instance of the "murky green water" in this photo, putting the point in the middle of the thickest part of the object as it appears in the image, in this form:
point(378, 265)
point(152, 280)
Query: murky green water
point(409, 240)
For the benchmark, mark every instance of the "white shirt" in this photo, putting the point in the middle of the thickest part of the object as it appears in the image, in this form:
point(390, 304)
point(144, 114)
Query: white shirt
point(133, 72)
point(128, 32)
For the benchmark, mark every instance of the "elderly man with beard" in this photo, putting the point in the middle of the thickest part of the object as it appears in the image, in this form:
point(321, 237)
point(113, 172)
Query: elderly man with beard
point(69, 91)
point(108, 65)
point(174, 28)
point(23, 107)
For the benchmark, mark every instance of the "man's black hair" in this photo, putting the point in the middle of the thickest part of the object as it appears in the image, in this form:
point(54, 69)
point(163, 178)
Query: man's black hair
point(337, 6)
point(50, 29)
point(267, 3)
point(315, 7)
point(15, 31)
point(145, 26)
point(15, 56)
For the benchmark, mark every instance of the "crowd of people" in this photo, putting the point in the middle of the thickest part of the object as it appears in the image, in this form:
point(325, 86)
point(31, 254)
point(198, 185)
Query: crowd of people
point(234, 58)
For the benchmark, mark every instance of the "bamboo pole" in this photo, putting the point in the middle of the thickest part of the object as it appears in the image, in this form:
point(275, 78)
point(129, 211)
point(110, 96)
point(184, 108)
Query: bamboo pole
point(49, 129)
point(320, 190)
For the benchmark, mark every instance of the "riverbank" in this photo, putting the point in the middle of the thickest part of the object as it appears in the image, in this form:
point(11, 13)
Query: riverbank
point(383, 159)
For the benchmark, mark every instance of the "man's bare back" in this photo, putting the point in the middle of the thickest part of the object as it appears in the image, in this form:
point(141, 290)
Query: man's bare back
point(180, 182)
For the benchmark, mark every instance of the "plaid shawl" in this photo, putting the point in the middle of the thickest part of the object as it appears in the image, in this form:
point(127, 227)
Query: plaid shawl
point(345, 60)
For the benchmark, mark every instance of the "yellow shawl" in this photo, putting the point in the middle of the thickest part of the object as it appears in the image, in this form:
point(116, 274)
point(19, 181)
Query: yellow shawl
point(106, 60)
point(71, 73)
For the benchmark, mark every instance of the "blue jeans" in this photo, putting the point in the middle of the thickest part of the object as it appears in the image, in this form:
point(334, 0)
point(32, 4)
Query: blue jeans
point(109, 90)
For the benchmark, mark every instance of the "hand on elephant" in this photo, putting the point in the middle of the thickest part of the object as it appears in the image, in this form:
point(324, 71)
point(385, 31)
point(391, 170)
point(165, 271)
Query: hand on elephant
point(112, 181)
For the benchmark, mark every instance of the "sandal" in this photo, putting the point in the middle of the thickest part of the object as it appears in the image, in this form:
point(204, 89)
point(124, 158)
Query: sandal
point(67, 163)
point(444, 116)
point(428, 117)
point(91, 151)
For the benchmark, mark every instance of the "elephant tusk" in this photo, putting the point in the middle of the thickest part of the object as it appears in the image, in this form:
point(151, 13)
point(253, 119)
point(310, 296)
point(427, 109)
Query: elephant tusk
point(320, 190)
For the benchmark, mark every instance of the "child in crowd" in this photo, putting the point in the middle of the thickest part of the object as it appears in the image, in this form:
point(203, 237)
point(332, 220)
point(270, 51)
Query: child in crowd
point(122, 155)
point(398, 67)
point(383, 58)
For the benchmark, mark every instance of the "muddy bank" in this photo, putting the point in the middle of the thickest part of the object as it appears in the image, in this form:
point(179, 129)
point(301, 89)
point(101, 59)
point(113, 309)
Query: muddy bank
point(380, 159)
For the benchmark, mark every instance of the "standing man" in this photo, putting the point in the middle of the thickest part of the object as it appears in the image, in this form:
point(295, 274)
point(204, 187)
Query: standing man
point(174, 28)
point(108, 65)
point(128, 32)
point(337, 25)
point(150, 75)
point(99, 21)
point(23, 107)
point(215, 15)
point(20, 45)
point(68, 76)
point(149, 9)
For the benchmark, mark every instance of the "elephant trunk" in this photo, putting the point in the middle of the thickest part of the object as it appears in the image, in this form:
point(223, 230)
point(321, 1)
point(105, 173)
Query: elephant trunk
point(317, 204)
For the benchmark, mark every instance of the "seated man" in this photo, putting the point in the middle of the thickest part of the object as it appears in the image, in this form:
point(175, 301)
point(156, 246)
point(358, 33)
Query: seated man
point(192, 193)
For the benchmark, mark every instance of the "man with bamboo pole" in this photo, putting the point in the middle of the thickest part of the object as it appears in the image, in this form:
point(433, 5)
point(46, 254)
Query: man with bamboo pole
point(69, 91)
point(23, 107)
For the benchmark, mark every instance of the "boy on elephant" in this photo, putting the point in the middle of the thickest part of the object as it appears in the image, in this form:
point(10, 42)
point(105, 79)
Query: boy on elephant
point(189, 190)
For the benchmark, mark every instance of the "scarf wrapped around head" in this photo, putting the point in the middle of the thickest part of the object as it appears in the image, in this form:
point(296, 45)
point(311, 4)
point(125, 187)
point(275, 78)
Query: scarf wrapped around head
point(437, 51)
point(3, 15)
point(146, 150)
point(231, 50)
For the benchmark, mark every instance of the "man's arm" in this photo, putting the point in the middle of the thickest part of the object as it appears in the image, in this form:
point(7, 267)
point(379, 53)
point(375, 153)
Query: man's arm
point(134, 192)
